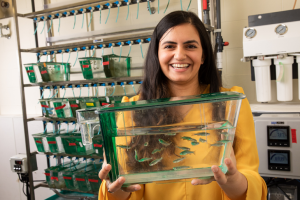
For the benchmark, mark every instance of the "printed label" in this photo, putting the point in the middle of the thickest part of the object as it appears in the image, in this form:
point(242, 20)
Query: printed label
point(68, 178)
point(106, 63)
point(54, 178)
point(294, 136)
point(44, 72)
point(277, 122)
point(103, 104)
point(40, 142)
point(80, 144)
point(60, 107)
point(47, 174)
point(97, 145)
point(93, 180)
point(107, 99)
point(44, 106)
point(80, 179)
point(77, 101)
point(96, 150)
point(74, 105)
point(52, 142)
point(89, 104)
point(85, 66)
point(72, 144)
point(30, 71)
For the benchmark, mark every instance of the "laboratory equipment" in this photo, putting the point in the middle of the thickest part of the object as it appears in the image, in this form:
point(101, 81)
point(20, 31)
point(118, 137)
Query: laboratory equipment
point(155, 140)
point(52, 71)
point(271, 43)
point(72, 143)
point(93, 179)
point(116, 66)
point(41, 142)
point(33, 73)
point(98, 144)
point(277, 127)
point(18, 163)
point(89, 102)
point(81, 178)
point(91, 67)
point(55, 143)
point(64, 108)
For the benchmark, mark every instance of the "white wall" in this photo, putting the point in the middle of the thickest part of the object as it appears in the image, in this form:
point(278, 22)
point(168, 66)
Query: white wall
point(234, 14)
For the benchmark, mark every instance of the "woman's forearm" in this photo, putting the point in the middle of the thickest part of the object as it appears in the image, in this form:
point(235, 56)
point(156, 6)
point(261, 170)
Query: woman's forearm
point(236, 190)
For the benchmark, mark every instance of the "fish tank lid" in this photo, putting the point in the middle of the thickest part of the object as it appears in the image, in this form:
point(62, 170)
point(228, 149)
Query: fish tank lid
point(117, 56)
point(173, 101)
point(89, 58)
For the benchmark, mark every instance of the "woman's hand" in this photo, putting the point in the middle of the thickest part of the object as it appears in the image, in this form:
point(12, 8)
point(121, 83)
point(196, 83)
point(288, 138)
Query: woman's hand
point(116, 188)
point(233, 183)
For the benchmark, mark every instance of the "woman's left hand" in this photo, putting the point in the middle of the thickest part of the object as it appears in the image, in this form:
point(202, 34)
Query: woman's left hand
point(221, 178)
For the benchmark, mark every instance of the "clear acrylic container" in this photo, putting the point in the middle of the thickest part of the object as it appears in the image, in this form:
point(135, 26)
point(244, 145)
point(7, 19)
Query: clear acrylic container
point(89, 102)
point(172, 138)
point(41, 142)
point(73, 144)
point(91, 67)
point(47, 110)
point(54, 71)
point(98, 144)
point(55, 143)
point(33, 73)
point(81, 179)
point(94, 180)
point(114, 66)
point(64, 108)
point(50, 178)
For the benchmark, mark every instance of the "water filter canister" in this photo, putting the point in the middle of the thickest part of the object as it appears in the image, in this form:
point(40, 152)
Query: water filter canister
point(284, 78)
point(262, 80)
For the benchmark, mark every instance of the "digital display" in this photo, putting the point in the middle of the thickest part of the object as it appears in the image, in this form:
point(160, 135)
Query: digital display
point(279, 158)
point(18, 162)
point(278, 134)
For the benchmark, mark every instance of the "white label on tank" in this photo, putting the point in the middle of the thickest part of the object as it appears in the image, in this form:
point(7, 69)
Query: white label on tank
point(80, 144)
point(96, 150)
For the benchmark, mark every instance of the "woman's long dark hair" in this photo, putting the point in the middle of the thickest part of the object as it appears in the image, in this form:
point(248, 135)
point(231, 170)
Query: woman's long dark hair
point(154, 86)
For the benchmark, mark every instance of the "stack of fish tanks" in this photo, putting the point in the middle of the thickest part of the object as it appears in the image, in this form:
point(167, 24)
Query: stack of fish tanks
point(169, 139)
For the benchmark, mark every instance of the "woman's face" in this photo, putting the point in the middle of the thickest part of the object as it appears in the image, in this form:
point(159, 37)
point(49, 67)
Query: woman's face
point(180, 54)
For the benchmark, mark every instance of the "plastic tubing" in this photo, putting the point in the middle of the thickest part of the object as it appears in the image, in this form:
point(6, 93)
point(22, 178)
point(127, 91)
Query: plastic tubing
point(69, 56)
point(133, 88)
point(45, 128)
point(100, 15)
point(37, 25)
point(120, 53)
point(127, 10)
point(96, 91)
point(58, 23)
point(91, 18)
point(113, 91)
point(53, 57)
point(62, 57)
point(158, 6)
point(93, 52)
point(43, 27)
point(108, 14)
point(74, 20)
point(167, 6)
point(181, 4)
point(118, 12)
point(79, 91)
point(138, 6)
point(141, 50)
point(124, 89)
point(104, 90)
point(50, 25)
point(149, 7)
point(73, 92)
point(64, 93)
point(112, 50)
point(189, 6)
point(74, 129)
point(85, 53)
point(129, 50)
point(82, 20)
point(76, 59)
point(54, 94)
point(88, 91)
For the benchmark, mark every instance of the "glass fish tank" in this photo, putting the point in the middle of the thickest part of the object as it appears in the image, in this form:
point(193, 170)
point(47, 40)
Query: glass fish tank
point(54, 71)
point(91, 67)
point(172, 138)
point(116, 66)
point(33, 73)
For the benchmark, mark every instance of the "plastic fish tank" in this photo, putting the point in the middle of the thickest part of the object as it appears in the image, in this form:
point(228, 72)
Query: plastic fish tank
point(98, 144)
point(94, 180)
point(64, 108)
point(33, 73)
point(54, 71)
point(55, 143)
point(41, 142)
point(88, 121)
point(116, 66)
point(89, 102)
point(72, 143)
point(49, 172)
point(81, 178)
point(110, 99)
point(171, 138)
point(47, 110)
point(91, 67)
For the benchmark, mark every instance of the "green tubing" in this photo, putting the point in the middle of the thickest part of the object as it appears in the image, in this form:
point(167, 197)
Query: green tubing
point(53, 58)
point(181, 4)
point(74, 21)
point(141, 50)
point(50, 25)
point(104, 91)
point(74, 129)
point(37, 25)
point(82, 20)
point(91, 18)
point(43, 27)
point(76, 59)
point(113, 91)
point(118, 13)
point(133, 89)
point(167, 6)
point(64, 93)
point(124, 90)
point(189, 6)
point(129, 50)
point(54, 94)
point(112, 50)
point(93, 52)
point(39, 59)
point(96, 91)
point(127, 11)
point(59, 24)
point(69, 56)
point(120, 53)
point(107, 15)
point(149, 7)
point(85, 53)
point(73, 92)
point(138, 6)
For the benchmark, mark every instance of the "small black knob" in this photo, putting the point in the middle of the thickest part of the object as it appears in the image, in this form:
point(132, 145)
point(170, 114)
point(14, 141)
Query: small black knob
point(4, 4)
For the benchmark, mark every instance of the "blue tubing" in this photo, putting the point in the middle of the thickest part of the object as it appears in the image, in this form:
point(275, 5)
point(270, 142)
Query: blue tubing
point(36, 28)
point(91, 18)
point(167, 6)
point(189, 6)
point(118, 13)
point(50, 25)
point(43, 27)
point(127, 11)
point(107, 15)
point(74, 21)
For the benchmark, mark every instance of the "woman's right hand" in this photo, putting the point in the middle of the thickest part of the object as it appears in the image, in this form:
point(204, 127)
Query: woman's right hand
point(116, 188)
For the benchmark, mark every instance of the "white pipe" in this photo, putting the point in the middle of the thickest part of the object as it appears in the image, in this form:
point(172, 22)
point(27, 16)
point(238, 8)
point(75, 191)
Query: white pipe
point(200, 9)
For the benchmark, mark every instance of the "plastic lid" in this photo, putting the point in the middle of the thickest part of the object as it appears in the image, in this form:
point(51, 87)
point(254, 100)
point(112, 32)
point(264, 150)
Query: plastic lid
point(89, 58)
point(174, 101)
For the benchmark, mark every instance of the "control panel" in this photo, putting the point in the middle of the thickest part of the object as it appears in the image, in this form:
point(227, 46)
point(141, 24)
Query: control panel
point(18, 163)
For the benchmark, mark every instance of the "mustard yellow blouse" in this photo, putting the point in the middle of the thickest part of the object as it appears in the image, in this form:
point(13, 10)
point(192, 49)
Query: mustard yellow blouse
point(247, 163)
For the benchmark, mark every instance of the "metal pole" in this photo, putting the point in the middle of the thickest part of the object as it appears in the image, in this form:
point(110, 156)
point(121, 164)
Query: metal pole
point(24, 114)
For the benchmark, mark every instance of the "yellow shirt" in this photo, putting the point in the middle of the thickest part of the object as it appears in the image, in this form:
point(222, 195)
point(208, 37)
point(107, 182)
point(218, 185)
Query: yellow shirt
point(247, 163)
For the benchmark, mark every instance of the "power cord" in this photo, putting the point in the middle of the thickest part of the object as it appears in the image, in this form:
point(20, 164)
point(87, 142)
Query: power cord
point(24, 178)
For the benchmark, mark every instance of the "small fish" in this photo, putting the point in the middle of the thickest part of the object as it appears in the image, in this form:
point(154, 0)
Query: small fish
point(164, 142)
point(154, 162)
point(157, 150)
point(217, 144)
point(172, 134)
point(144, 159)
point(124, 146)
point(195, 143)
point(178, 160)
point(224, 133)
point(186, 152)
point(183, 148)
point(202, 140)
point(188, 139)
point(146, 144)
point(181, 167)
point(225, 141)
point(136, 155)
point(202, 134)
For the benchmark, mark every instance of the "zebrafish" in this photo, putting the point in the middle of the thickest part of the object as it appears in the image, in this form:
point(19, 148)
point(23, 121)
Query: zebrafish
point(189, 139)
point(146, 144)
point(144, 159)
point(172, 134)
point(217, 144)
point(154, 162)
point(183, 148)
point(178, 160)
point(157, 150)
point(186, 152)
point(181, 167)
point(164, 142)
point(136, 155)
point(225, 141)
point(202, 134)
point(195, 143)
point(202, 140)
point(124, 146)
